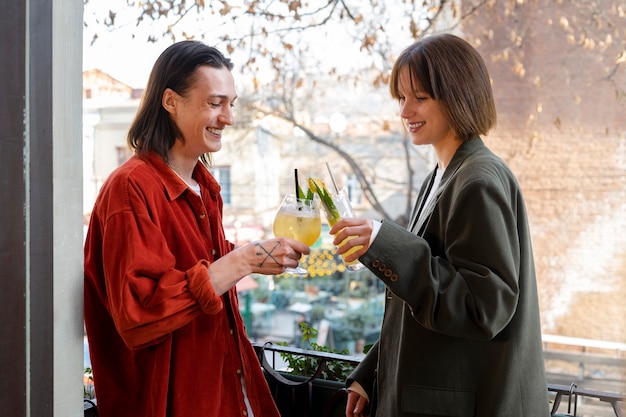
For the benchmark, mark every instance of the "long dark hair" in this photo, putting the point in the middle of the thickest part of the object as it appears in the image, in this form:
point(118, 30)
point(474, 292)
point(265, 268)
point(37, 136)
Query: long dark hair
point(450, 70)
point(152, 129)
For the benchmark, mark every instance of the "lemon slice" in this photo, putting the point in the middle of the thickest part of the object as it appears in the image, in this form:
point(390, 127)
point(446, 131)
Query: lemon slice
point(319, 188)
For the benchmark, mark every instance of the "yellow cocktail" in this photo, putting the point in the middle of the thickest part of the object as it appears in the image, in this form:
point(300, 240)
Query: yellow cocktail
point(298, 219)
point(336, 207)
point(298, 225)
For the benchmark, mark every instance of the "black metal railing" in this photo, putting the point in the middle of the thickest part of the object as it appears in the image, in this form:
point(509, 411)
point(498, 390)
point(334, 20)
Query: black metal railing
point(572, 393)
point(304, 395)
point(312, 396)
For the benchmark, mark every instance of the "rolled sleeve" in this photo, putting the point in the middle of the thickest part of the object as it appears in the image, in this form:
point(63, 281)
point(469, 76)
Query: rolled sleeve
point(201, 289)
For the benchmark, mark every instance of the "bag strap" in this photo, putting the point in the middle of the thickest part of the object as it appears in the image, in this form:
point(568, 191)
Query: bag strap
point(280, 378)
point(572, 392)
point(308, 383)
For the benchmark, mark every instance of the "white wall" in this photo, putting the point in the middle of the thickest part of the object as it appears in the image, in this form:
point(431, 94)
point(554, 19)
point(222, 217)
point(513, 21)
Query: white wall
point(67, 16)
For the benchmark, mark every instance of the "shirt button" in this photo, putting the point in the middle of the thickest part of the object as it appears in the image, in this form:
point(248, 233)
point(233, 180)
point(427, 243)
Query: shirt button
point(388, 273)
point(231, 331)
point(238, 371)
point(375, 263)
point(244, 412)
point(394, 277)
point(202, 215)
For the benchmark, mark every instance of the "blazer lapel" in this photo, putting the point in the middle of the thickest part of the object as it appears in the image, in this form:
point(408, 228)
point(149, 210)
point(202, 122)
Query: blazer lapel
point(421, 216)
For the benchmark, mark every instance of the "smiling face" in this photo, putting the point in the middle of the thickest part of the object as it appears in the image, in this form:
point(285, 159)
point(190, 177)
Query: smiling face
point(422, 114)
point(203, 112)
point(424, 118)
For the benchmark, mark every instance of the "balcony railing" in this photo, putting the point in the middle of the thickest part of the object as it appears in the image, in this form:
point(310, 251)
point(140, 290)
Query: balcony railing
point(310, 396)
point(299, 395)
point(573, 393)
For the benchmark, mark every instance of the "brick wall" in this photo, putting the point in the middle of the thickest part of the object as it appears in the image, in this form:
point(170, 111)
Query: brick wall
point(562, 127)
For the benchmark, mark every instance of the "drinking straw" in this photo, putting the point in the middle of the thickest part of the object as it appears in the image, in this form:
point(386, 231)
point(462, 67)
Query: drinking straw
point(332, 178)
point(295, 173)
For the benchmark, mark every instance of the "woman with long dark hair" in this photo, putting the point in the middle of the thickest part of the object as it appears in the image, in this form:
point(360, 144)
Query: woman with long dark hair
point(165, 335)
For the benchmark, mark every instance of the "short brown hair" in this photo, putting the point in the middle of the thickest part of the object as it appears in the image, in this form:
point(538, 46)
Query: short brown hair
point(451, 71)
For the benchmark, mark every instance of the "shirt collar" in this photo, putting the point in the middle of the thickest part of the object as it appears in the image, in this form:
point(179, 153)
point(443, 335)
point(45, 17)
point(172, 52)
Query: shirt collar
point(174, 186)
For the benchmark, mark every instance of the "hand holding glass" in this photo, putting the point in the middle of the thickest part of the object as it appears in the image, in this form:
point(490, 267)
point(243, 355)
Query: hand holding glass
point(344, 208)
point(298, 219)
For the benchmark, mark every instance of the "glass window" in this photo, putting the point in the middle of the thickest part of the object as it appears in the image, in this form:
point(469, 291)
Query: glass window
point(344, 308)
point(123, 154)
point(354, 191)
point(222, 175)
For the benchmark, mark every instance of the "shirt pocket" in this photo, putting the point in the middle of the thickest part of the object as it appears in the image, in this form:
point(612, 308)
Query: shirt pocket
point(431, 401)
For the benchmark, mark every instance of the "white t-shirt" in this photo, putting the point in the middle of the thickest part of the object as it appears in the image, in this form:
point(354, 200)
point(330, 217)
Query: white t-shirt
point(431, 194)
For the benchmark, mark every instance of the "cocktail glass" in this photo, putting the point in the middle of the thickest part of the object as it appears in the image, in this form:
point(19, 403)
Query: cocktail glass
point(299, 219)
point(344, 208)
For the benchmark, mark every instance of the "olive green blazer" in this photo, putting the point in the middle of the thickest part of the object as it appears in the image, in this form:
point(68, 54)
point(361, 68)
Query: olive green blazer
point(461, 331)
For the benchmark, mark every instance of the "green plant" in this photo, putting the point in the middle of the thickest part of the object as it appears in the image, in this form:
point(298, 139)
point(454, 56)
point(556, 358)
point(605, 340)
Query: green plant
point(88, 389)
point(306, 366)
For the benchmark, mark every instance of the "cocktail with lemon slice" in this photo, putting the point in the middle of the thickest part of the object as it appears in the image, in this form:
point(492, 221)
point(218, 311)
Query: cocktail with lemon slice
point(336, 207)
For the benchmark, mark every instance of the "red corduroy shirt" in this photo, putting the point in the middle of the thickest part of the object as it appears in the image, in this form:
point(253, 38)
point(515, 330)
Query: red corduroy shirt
point(161, 342)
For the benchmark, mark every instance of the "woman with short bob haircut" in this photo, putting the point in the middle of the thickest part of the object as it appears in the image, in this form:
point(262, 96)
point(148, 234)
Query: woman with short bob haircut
point(454, 74)
point(461, 333)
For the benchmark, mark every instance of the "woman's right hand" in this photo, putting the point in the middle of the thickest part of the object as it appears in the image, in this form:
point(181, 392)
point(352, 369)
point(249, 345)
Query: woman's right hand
point(358, 230)
point(357, 405)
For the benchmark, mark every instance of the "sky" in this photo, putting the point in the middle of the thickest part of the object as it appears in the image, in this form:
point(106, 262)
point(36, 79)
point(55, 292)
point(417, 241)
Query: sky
point(124, 53)
point(115, 52)
point(130, 60)
point(130, 64)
